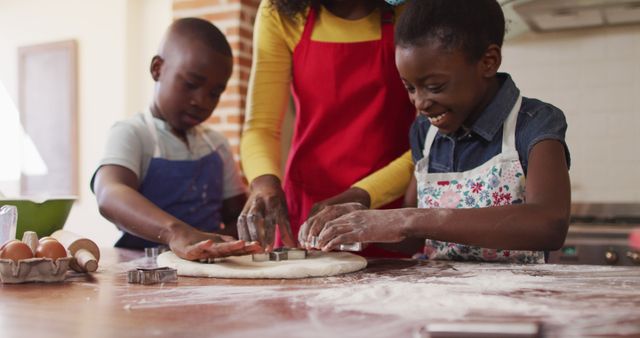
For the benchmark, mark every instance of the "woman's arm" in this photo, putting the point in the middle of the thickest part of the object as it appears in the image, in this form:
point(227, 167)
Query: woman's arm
point(388, 183)
point(268, 96)
point(260, 144)
point(540, 223)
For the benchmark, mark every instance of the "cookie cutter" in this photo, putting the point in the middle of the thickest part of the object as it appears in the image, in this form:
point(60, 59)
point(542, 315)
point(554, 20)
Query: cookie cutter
point(154, 251)
point(280, 254)
point(148, 276)
point(212, 260)
point(260, 257)
point(357, 246)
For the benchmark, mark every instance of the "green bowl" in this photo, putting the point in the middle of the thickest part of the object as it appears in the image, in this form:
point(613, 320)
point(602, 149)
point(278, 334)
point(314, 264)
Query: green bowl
point(41, 216)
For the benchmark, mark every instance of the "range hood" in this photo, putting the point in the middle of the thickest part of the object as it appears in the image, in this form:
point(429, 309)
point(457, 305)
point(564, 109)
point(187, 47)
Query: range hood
point(554, 15)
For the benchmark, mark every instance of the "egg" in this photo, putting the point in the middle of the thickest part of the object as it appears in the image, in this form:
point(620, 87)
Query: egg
point(50, 248)
point(47, 238)
point(15, 250)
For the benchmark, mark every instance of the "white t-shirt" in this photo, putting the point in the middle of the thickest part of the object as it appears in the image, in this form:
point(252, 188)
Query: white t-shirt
point(131, 145)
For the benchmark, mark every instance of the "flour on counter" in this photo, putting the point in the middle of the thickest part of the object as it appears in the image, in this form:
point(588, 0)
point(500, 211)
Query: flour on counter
point(554, 294)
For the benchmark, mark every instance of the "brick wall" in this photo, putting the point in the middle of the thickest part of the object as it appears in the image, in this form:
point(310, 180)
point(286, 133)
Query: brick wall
point(235, 18)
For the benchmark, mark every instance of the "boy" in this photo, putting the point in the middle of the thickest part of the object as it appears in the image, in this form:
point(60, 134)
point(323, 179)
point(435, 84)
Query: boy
point(164, 178)
point(474, 142)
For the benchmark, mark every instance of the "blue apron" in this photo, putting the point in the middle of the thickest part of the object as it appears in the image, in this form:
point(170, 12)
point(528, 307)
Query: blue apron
point(190, 190)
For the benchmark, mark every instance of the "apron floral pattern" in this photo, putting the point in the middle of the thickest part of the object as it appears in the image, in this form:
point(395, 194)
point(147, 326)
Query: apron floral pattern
point(499, 181)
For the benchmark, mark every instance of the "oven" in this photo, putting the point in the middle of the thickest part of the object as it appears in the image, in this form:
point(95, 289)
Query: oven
point(599, 234)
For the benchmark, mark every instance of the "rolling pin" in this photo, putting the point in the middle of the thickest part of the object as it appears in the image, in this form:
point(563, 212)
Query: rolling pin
point(84, 250)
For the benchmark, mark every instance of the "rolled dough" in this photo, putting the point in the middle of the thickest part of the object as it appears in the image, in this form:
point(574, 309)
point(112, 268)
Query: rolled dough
point(317, 264)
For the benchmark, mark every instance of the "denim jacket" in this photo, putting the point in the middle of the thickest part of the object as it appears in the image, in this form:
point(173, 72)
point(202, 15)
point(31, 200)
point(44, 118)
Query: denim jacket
point(537, 121)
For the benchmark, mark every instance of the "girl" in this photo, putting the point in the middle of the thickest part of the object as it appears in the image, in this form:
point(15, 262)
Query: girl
point(475, 142)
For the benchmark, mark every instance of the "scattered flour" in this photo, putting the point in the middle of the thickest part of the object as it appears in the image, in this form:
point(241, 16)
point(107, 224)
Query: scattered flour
point(593, 299)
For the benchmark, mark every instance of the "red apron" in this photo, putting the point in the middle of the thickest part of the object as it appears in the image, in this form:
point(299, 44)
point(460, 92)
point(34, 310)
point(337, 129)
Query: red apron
point(352, 116)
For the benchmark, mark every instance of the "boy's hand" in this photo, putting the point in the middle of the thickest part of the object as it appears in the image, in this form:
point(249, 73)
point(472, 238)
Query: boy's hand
point(192, 244)
point(316, 223)
point(214, 247)
point(364, 226)
point(265, 208)
point(211, 249)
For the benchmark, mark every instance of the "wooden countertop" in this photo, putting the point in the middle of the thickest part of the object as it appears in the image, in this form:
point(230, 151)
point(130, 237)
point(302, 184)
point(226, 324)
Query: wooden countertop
point(390, 298)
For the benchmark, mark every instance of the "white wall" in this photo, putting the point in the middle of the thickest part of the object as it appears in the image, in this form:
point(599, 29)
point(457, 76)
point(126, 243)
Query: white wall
point(116, 40)
point(594, 77)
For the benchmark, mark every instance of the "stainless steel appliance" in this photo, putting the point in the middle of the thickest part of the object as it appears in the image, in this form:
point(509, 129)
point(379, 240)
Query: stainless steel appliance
point(599, 234)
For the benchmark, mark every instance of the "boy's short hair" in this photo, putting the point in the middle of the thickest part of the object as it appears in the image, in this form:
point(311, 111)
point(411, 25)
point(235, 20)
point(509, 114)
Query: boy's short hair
point(470, 25)
point(204, 31)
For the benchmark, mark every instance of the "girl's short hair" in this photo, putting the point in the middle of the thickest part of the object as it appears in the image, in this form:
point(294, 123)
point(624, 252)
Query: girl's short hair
point(469, 25)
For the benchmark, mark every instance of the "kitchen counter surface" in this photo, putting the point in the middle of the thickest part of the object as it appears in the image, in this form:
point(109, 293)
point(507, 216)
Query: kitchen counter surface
point(390, 298)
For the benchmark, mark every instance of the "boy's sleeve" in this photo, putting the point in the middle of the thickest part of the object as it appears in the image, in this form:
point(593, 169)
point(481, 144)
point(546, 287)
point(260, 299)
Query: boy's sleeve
point(268, 96)
point(123, 148)
point(390, 182)
point(232, 184)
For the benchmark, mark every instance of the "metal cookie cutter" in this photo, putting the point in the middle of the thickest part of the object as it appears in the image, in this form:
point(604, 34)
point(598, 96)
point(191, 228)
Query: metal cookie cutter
point(210, 260)
point(152, 276)
point(357, 246)
point(280, 254)
point(155, 251)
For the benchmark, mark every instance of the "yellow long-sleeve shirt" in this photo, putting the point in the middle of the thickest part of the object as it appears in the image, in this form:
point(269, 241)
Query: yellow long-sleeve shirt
point(275, 38)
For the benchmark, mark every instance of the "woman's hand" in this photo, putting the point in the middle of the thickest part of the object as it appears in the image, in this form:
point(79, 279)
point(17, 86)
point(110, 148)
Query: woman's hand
point(192, 244)
point(364, 226)
point(265, 208)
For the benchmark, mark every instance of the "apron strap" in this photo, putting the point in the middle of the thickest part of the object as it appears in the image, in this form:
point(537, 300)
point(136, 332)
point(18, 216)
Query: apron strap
point(308, 26)
point(148, 119)
point(428, 141)
point(508, 133)
point(201, 131)
point(386, 24)
point(509, 129)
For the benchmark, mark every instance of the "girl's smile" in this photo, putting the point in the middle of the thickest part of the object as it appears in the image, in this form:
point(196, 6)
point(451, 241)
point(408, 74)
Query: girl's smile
point(444, 85)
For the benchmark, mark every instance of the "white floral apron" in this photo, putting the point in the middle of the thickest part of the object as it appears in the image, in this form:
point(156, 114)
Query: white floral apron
point(499, 181)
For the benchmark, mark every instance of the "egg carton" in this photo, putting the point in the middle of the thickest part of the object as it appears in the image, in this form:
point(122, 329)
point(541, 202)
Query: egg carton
point(33, 270)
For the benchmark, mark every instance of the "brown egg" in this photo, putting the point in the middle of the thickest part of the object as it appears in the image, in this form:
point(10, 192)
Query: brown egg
point(51, 248)
point(47, 238)
point(15, 250)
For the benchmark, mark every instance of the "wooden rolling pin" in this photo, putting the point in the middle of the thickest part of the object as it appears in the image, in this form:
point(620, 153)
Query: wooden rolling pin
point(84, 250)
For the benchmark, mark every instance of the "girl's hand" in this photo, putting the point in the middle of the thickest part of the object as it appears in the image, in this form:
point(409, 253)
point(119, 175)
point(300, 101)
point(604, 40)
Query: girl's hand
point(364, 226)
point(316, 223)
